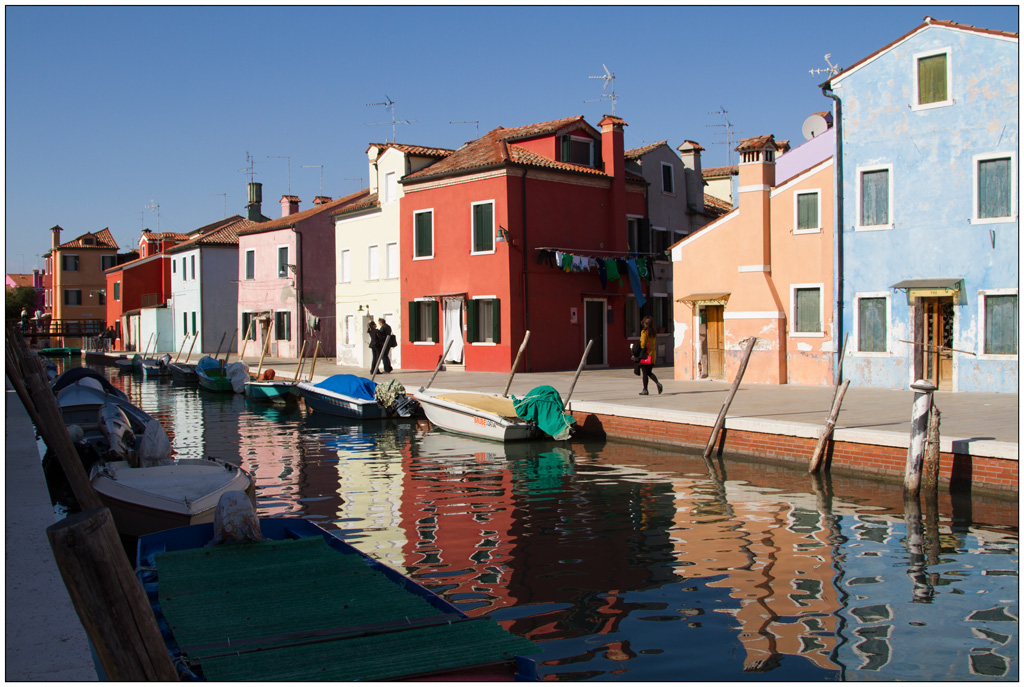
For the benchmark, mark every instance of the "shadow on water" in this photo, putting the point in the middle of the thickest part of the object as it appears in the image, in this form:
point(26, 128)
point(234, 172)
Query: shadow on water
point(627, 562)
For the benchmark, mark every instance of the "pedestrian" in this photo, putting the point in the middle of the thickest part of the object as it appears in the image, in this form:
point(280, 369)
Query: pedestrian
point(387, 343)
point(374, 345)
point(648, 338)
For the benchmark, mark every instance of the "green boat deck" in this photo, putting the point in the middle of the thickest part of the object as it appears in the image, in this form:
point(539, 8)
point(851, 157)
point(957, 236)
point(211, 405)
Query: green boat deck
point(296, 610)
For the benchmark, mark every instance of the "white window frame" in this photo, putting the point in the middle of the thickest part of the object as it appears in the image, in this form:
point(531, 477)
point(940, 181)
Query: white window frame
point(392, 260)
point(287, 254)
point(413, 242)
point(982, 295)
point(245, 265)
point(947, 51)
point(821, 310)
point(117, 291)
point(796, 211)
point(345, 266)
point(390, 187)
point(373, 262)
point(493, 299)
point(472, 229)
point(976, 212)
point(672, 175)
point(857, 192)
point(888, 324)
point(585, 139)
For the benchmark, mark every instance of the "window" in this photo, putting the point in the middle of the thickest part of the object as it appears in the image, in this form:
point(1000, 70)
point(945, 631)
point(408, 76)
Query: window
point(184, 267)
point(194, 330)
point(391, 260)
point(807, 309)
point(668, 181)
point(72, 296)
point(117, 290)
point(423, 322)
point(69, 263)
point(193, 261)
point(390, 187)
point(483, 320)
point(250, 264)
point(372, 263)
point(283, 325)
point(174, 267)
point(249, 320)
point(875, 198)
point(995, 181)
point(871, 323)
point(423, 234)
point(107, 261)
point(932, 79)
point(807, 212)
point(639, 235)
point(282, 261)
point(184, 324)
point(345, 266)
point(999, 311)
point(101, 297)
point(631, 318)
point(662, 241)
point(578, 150)
point(483, 227)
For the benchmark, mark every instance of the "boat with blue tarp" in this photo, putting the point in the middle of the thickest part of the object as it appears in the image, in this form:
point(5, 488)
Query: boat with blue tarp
point(359, 398)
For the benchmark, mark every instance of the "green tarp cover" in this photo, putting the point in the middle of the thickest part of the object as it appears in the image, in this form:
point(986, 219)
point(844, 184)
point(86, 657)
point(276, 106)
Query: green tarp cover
point(300, 610)
point(544, 406)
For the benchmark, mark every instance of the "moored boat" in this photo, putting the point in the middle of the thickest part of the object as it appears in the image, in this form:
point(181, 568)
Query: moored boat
point(540, 414)
point(183, 372)
point(213, 375)
point(354, 619)
point(273, 390)
point(157, 367)
point(357, 398)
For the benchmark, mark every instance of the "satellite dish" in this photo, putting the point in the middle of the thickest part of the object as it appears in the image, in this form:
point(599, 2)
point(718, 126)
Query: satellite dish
point(815, 125)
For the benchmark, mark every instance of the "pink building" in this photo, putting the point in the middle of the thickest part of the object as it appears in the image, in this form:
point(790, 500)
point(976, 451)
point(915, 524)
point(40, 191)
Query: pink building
point(762, 270)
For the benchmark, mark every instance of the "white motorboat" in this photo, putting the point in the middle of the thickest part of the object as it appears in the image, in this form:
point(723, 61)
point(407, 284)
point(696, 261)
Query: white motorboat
point(477, 414)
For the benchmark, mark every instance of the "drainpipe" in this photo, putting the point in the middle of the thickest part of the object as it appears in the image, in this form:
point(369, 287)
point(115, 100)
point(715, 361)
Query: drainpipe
point(526, 268)
point(299, 323)
point(827, 92)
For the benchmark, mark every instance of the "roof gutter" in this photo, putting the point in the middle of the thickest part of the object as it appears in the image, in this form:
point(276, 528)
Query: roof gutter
point(826, 90)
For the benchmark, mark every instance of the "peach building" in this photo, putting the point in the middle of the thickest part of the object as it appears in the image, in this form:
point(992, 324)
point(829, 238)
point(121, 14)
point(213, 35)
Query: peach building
point(763, 270)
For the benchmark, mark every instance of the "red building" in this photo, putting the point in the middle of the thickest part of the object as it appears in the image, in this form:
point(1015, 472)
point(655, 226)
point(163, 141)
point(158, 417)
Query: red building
point(483, 229)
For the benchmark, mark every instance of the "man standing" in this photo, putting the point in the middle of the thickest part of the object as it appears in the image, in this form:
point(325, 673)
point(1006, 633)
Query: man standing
point(375, 346)
point(386, 344)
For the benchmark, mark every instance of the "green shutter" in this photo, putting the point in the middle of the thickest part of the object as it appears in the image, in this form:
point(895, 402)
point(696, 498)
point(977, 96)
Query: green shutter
point(483, 227)
point(496, 320)
point(931, 80)
point(434, 325)
point(994, 188)
point(566, 149)
point(871, 334)
point(874, 198)
point(807, 211)
point(808, 310)
point(414, 321)
point(472, 307)
point(1001, 325)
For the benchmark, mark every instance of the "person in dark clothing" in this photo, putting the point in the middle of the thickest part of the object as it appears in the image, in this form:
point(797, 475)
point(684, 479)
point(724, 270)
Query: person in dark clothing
point(375, 346)
point(386, 343)
point(648, 336)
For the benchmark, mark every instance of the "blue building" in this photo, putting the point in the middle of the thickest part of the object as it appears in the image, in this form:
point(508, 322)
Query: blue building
point(927, 255)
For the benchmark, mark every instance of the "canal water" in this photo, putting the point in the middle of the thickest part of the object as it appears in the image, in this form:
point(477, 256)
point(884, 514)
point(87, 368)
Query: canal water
point(624, 562)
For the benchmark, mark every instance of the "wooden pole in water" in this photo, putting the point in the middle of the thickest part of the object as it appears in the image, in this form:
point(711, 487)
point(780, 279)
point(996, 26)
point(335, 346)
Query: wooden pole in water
point(440, 362)
point(931, 454)
point(216, 356)
point(302, 361)
point(522, 347)
point(109, 600)
point(923, 390)
point(579, 369)
point(266, 344)
point(227, 353)
point(826, 432)
point(728, 401)
point(313, 366)
point(195, 337)
point(182, 348)
point(245, 341)
point(145, 354)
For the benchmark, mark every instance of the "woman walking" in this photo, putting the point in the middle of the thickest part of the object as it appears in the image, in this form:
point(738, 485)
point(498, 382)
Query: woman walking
point(648, 353)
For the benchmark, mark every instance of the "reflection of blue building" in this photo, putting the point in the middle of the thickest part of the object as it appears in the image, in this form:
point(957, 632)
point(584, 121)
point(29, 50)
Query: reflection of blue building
point(962, 607)
point(927, 255)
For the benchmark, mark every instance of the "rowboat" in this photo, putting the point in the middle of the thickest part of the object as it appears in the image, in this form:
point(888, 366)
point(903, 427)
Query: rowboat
point(151, 498)
point(274, 390)
point(183, 372)
point(129, 365)
point(355, 397)
point(214, 376)
point(310, 607)
point(476, 414)
point(157, 367)
point(60, 352)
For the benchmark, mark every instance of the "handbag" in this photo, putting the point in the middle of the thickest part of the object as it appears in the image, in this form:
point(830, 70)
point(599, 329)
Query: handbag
point(646, 361)
point(392, 341)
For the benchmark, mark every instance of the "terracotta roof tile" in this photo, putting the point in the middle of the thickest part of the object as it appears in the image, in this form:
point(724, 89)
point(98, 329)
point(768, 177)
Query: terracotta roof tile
point(757, 143)
point(102, 239)
point(291, 220)
point(223, 233)
point(21, 279)
point(370, 201)
point(711, 172)
point(415, 150)
point(716, 205)
point(634, 153)
point(177, 236)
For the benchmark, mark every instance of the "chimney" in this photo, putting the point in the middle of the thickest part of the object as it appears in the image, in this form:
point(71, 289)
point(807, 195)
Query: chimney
point(253, 210)
point(756, 179)
point(289, 205)
point(689, 153)
point(612, 152)
point(56, 235)
point(320, 200)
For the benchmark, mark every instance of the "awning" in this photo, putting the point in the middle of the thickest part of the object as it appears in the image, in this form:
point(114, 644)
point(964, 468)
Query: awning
point(946, 286)
point(705, 299)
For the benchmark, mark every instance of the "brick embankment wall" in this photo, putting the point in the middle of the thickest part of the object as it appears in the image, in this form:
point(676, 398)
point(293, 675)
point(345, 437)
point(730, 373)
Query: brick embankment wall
point(958, 470)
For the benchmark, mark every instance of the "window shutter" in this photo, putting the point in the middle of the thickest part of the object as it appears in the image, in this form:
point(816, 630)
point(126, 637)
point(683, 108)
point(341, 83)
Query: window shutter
point(472, 308)
point(875, 198)
point(808, 310)
point(807, 211)
point(994, 188)
point(644, 239)
point(1001, 325)
point(872, 336)
point(414, 321)
point(931, 79)
point(566, 148)
point(496, 321)
point(434, 326)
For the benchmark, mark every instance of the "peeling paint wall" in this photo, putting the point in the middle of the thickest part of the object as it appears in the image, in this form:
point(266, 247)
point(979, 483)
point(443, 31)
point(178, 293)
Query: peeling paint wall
point(933, 229)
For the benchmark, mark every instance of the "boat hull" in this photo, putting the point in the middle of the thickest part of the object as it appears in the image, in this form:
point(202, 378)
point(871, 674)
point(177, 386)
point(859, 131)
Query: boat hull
point(183, 372)
point(271, 391)
point(464, 418)
point(339, 405)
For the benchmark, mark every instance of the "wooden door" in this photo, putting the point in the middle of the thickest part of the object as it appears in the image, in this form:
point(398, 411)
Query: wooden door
point(595, 323)
point(715, 320)
point(937, 340)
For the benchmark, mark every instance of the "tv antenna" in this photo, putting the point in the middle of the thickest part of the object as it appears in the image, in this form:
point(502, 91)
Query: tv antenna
point(286, 157)
point(225, 201)
point(154, 207)
point(832, 70)
point(359, 179)
point(471, 121)
point(321, 176)
point(389, 103)
point(729, 132)
point(609, 78)
point(250, 168)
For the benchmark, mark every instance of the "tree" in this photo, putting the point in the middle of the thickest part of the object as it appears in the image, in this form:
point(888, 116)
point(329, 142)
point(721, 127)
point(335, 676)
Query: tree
point(19, 298)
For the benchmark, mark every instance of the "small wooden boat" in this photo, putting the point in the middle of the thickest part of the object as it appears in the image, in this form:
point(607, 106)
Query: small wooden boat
point(127, 365)
point(212, 375)
point(257, 611)
point(353, 397)
point(60, 352)
point(183, 372)
point(152, 498)
point(273, 390)
point(476, 414)
point(157, 367)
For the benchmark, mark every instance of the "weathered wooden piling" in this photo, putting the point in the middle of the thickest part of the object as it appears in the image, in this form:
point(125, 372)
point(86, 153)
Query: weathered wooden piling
point(918, 435)
point(830, 425)
point(720, 421)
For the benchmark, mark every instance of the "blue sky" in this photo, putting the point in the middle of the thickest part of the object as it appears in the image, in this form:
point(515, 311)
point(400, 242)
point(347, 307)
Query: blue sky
point(112, 109)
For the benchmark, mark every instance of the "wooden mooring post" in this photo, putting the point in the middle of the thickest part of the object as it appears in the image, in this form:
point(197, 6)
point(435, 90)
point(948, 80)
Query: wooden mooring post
point(923, 390)
point(826, 432)
point(720, 421)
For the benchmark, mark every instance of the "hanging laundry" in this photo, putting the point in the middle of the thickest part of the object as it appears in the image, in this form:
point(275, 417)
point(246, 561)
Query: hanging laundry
point(545, 256)
point(634, 280)
point(602, 273)
point(612, 268)
point(567, 262)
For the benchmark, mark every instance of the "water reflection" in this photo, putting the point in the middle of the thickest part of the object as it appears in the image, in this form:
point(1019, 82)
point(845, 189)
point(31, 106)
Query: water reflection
point(627, 562)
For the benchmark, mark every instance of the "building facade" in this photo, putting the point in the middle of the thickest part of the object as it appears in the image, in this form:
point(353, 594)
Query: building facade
point(75, 294)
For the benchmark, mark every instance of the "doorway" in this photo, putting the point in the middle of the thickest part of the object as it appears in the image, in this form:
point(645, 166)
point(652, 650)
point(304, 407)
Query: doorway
point(595, 324)
point(936, 338)
point(712, 332)
point(453, 329)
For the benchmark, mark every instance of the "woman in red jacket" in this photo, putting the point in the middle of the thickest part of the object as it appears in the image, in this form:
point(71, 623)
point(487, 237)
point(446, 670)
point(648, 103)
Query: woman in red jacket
point(648, 354)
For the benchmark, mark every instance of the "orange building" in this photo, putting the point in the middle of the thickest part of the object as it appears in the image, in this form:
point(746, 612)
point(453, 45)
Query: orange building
point(76, 292)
